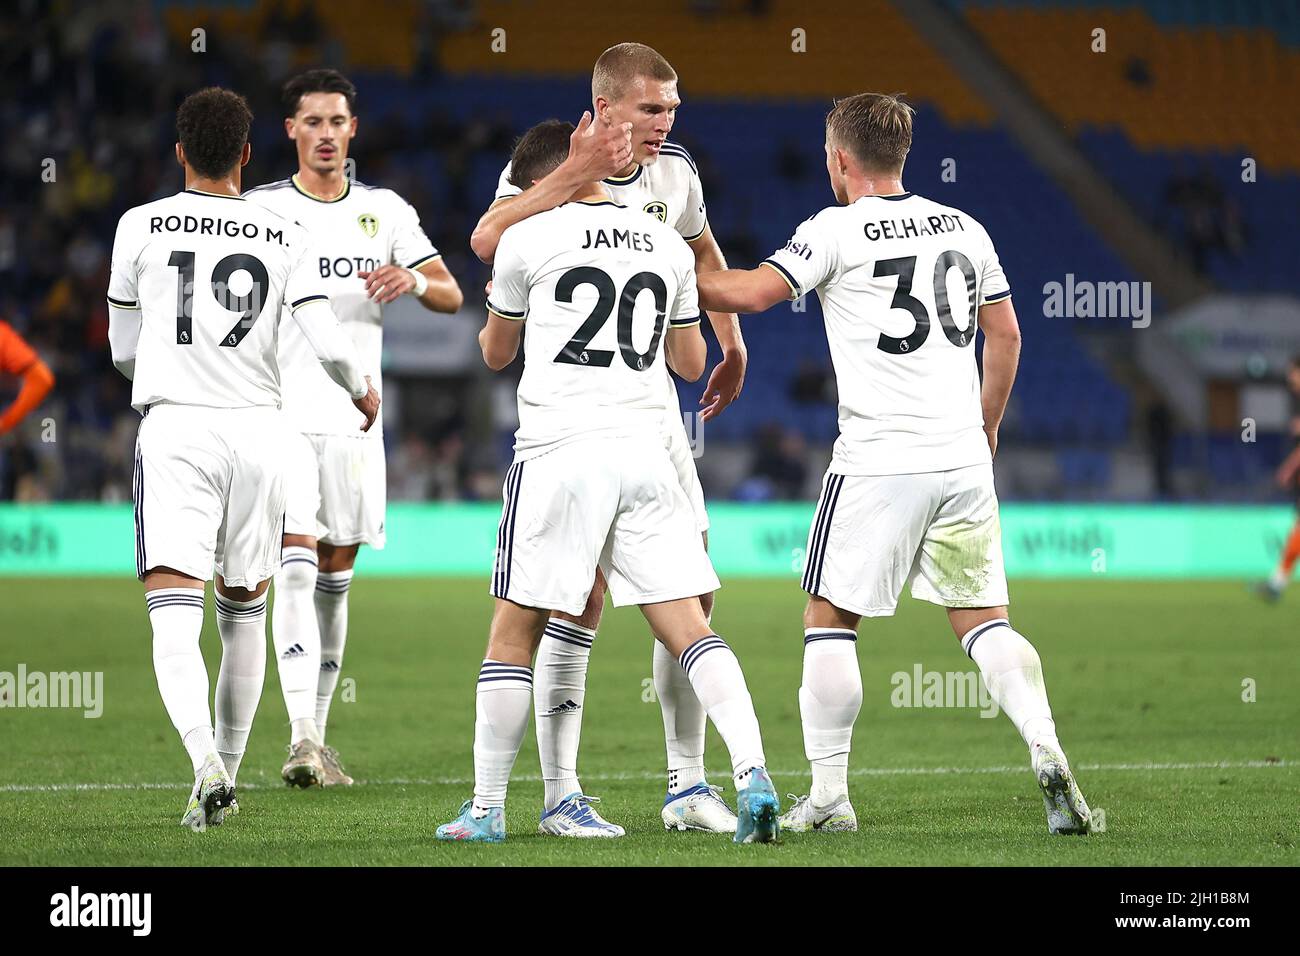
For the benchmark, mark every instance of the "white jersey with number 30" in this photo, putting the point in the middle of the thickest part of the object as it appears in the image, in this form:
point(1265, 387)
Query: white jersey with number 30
point(208, 274)
point(901, 280)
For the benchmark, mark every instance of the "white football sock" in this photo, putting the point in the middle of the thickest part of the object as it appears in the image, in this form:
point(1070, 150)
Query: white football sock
point(829, 700)
point(559, 689)
point(200, 746)
point(1013, 673)
point(684, 721)
point(501, 709)
point(176, 615)
point(332, 619)
point(719, 684)
point(296, 637)
point(242, 625)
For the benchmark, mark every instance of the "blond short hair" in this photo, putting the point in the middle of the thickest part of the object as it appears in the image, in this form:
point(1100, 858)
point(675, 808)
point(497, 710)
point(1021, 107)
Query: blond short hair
point(621, 64)
point(876, 128)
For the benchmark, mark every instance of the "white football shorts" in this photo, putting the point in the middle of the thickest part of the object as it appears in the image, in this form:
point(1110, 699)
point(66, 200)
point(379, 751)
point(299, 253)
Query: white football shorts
point(338, 489)
point(613, 503)
point(938, 532)
point(683, 459)
point(209, 492)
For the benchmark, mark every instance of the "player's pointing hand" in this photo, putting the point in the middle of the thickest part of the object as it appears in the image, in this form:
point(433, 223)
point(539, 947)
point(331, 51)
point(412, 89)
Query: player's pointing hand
point(368, 405)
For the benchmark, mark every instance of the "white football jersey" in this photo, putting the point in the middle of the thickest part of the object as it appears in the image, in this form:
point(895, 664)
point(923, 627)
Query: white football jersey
point(598, 284)
point(668, 189)
point(209, 274)
point(901, 280)
point(361, 230)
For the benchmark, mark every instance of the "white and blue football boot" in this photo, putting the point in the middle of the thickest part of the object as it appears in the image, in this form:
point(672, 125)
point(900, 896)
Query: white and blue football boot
point(576, 816)
point(757, 810)
point(698, 808)
point(465, 828)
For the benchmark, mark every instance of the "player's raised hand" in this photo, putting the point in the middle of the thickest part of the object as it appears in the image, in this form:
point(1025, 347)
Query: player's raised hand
point(724, 386)
point(387, 283)
point(598, 149)
point(368, 405)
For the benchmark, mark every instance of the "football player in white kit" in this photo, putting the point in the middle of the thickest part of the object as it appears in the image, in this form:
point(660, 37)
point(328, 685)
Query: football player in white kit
point(593, 287)
point(196, 289)
point(371, 250)
point(633, 88)
point(909, 499)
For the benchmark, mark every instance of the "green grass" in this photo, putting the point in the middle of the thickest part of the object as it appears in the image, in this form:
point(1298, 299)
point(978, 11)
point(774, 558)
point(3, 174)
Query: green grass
point(1139, 674)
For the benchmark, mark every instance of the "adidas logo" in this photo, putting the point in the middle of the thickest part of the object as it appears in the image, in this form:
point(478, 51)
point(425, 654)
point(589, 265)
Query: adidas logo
point(567, 707)
point(295, 651)
point(329, 665)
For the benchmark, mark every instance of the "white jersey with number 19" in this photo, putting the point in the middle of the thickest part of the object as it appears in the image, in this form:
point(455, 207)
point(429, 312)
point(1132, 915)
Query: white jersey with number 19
point(208, 274)
point(901, 280)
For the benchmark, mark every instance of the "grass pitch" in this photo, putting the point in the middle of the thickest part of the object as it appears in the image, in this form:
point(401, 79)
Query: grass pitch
point(1151, 684)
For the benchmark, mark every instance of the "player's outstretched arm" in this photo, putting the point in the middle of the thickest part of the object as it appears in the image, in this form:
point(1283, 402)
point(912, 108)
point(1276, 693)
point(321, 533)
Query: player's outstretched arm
point(1001, 358)
point(687, 352)
point(499, 339)
point(441, 292)
point(336, 354)
point(728, 378)
point(743, 290)
point(596, 151)
point(37, 382)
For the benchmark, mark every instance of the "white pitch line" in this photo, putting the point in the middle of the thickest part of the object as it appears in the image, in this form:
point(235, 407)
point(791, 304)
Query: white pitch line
point(646, 775)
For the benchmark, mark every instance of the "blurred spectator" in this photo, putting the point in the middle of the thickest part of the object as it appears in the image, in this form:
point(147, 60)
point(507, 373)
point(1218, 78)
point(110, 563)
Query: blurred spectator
point(780, 468)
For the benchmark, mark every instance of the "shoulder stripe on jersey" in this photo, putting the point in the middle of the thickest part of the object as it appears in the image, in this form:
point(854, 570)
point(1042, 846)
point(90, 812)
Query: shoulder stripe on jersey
point(784, 274)
point(996, 296)
point(672, 149)
point(427, 259)
point(308, 298)
point(122, 304)
point(685, 323)
point(279, 184)
point(505, 314)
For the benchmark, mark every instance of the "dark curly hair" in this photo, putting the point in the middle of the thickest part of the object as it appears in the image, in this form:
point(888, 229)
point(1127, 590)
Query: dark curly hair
point(212, 126)
point(539, 151)
point(317, 81)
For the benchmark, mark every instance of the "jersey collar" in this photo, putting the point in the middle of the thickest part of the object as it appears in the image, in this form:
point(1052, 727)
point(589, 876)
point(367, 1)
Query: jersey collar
point(895, 198)
point(347, 188)
point(626, 180)
point(599, 202)
point(203, 192)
